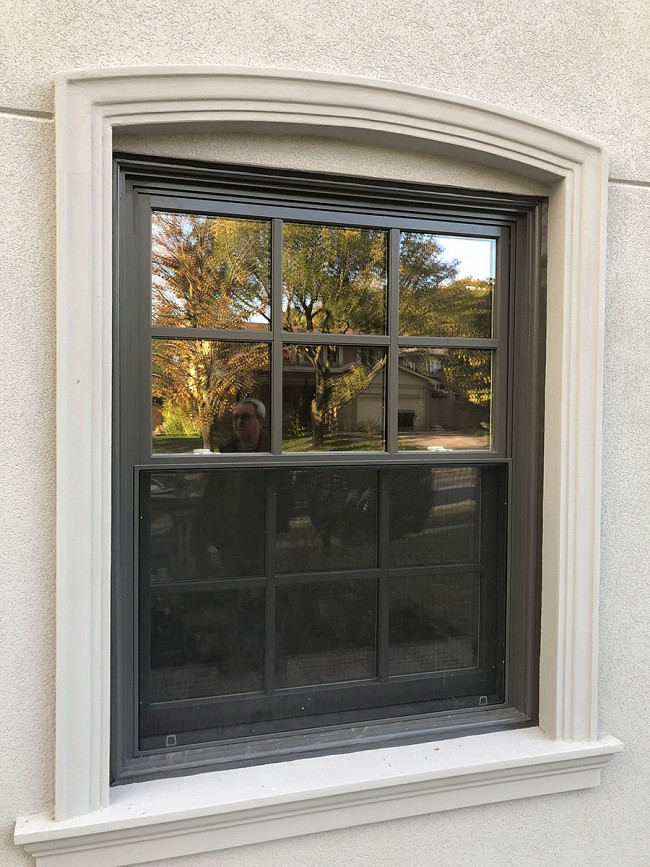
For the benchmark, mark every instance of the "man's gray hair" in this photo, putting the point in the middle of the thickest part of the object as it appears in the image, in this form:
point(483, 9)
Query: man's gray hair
point(260, 409)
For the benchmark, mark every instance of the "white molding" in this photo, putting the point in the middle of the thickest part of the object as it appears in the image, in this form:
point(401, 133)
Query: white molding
point(183, 816)
point(88, 106)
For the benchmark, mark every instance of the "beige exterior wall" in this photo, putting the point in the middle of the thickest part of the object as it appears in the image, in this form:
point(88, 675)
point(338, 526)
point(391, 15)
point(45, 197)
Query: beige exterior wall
point(583, 66)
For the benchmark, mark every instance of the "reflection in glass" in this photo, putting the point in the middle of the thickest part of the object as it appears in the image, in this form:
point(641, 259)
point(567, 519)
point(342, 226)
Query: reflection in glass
point(446, 285)
point(325, 632)
point(202, 525)
point(444, 398)
point(434, 515)
point(210, 272)
point(433, 623)
point(196, 385)
point(326, 519)
point(332, 398)
point(334, 279)
point(206, 644)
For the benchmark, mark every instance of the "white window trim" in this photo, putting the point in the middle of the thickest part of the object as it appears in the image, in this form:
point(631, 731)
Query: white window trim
point(173, 817)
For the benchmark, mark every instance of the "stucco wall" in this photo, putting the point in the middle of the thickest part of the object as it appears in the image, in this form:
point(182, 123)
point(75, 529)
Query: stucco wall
point(582, 65)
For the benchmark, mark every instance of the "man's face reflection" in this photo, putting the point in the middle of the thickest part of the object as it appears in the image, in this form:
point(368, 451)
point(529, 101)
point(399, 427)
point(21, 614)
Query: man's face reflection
point(247, 426)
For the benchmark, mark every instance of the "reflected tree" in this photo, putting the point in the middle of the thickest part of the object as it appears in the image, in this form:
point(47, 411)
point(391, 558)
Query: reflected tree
point(434, 302)
point(208, 273)
point(334, 283)
point(206, 378)
point(423, 292)
point(467, 306)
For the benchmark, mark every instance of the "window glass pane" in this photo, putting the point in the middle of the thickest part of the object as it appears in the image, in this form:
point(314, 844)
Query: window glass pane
point(433, 623)
point(444, 398)
point(332, 398)
point(325, 632)
point(208, 640)
point(206, 644)
point(434, 515)
point(326, 519)
point(197, 386)
point(334, 279)
point(210, 272)
point(202, 525)
point(446, 285)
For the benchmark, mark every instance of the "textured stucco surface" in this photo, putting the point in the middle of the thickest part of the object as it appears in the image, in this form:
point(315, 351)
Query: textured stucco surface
point(27, 426)
point(583, 65)
point(316, 154)
point(625, 588)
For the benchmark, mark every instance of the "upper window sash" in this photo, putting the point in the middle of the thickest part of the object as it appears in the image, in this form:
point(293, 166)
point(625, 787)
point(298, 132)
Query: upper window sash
point(391, 339)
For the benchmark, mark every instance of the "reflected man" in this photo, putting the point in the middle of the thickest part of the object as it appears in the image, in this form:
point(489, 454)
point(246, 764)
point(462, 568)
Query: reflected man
point(235, 499)
point(248, 425)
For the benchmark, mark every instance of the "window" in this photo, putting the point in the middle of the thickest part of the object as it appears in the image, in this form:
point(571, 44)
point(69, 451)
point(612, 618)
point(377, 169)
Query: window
point(328, 442)
point(174, 817)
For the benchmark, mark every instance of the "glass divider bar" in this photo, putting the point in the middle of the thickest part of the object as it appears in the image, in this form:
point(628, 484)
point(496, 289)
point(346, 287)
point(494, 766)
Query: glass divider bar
point(393, 350)
point(276, 328)
point(142, 596)
point(269, 559)
point(187, 333)
point(382, 587)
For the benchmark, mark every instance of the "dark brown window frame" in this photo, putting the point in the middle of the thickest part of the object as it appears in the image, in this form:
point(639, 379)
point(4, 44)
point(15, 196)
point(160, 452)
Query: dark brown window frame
point(143, 183)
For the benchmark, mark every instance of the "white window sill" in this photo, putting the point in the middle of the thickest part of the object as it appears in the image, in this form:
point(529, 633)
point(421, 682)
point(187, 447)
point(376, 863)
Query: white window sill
point(224, 809)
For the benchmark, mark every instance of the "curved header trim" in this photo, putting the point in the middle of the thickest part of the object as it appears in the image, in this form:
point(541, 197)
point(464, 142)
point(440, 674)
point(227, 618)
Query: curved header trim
point(303, 102)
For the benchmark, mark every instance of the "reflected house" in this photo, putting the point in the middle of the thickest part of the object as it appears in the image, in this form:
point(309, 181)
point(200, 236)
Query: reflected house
point(425, 403)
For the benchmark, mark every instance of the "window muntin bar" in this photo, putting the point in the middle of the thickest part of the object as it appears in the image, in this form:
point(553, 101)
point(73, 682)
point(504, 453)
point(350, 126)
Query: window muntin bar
point(188, 333)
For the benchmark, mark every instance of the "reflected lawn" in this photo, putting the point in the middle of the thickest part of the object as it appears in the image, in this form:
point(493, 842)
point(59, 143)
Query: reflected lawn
point(341, 442)
point(163, 445)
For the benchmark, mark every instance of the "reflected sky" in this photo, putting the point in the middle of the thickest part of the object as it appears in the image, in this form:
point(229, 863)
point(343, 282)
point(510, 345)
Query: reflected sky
point(476, 256)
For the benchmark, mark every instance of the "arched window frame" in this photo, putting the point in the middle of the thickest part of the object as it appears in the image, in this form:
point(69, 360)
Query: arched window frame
point(565, 751)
